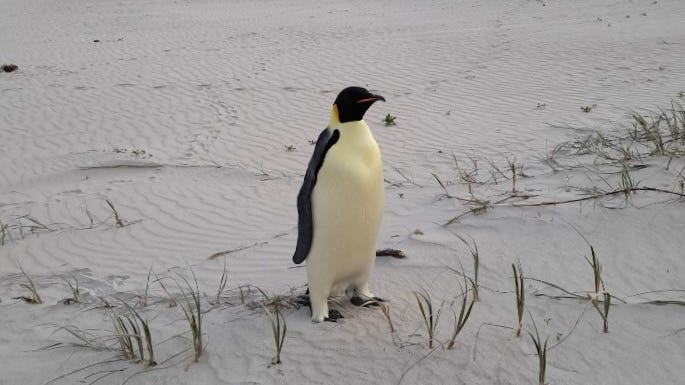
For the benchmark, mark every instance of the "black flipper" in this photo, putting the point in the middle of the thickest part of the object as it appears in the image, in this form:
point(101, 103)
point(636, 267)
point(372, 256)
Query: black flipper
point(305, 223)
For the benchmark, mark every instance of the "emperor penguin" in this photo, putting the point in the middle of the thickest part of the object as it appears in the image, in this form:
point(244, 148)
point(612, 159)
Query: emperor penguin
point(340, 205)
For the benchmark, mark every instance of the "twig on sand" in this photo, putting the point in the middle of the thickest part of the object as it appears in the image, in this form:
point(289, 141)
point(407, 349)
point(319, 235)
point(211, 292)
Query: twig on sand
point(395, 253)
point(226, 252)
point(623, 191)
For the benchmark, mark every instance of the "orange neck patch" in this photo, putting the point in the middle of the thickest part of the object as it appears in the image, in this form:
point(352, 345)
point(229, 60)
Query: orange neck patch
point(335, 117)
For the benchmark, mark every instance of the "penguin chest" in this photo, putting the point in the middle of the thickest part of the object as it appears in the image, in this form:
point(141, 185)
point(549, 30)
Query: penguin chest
point(347, 206)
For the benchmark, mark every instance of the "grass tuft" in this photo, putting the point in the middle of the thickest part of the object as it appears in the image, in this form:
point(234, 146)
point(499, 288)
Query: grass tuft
point(31, 287)
point(464, 313)
point(389, 120)
point(279, 329)
point(597, 275)
point(385, 309)
point(4, 232)
point(604, 313)
point(191, 306)
point(117, 219)
point(429, 314)
point(473, 249)
point(520, 296)
point(193, 312)
point(75, 292)
point(124, 335)
point(541, 350)
point(140, 325)
point(222, 285)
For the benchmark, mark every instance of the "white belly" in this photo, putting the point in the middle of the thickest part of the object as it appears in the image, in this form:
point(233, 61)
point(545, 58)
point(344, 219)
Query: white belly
point(347, 205)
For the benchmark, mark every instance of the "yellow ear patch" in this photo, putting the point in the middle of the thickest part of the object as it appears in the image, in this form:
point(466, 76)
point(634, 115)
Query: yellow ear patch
point(335, 117)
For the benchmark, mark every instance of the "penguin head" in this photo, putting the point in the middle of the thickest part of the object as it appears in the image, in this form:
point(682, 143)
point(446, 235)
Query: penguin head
point(352, 103)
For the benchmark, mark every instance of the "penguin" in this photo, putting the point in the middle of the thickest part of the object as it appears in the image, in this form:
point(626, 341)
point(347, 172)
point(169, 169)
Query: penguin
point(340, 206)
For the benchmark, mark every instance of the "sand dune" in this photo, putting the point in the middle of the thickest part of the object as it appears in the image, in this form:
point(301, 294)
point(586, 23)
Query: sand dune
point(194, 120)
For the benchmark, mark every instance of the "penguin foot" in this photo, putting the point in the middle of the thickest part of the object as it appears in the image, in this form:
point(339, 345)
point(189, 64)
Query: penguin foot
point(303, 300)
point(359, 301)
point(333, 316)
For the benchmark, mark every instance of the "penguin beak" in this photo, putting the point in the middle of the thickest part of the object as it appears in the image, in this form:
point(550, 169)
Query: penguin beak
point(371, 98)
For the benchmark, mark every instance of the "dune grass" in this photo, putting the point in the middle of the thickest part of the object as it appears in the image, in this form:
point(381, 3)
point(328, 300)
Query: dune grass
point(541, 351)
point(429, 314)
point(4, 233)
point(604, 312)
point(520, 296)
point(279, 329)
point(118, 222)
point(75, 291)
point(464, 312)
point(192, 310)
point(34, 297)
point(141, 331)
point(222, 285)
point(190, 304)
point(124, 336)
point(597, 275)
point(473, 250)
point(385, 309)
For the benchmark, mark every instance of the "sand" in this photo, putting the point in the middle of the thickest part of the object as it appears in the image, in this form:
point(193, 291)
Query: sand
point(194, 119)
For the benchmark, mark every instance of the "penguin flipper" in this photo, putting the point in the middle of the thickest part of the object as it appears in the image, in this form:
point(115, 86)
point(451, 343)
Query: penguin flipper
point(305, 223)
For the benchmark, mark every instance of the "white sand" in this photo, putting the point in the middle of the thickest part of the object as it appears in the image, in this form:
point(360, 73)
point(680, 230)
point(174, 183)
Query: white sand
point(214, 91)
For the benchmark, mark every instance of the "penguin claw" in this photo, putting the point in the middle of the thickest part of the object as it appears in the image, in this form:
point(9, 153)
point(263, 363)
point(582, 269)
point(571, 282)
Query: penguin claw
point(373, 301)
point(303, 300)
point(333, 316)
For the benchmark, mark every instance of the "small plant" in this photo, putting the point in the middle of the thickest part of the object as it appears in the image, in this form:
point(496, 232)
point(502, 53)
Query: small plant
point(586, 108)
point(4, 233)
point(520, 296)
point(192, 311)
point(143, 300)
point(222, 284)
point(138, 325)
point(464, 313)
point(385, 309)
point(389, 120)
point(597, 275)
point(34, 298)
point(604, 313)
point(290, 148)
point(512, 168)
point(279, 329)
point(243, 294)
point(75, 292)
point(117, 219)
point(191, 307)
point(430, 316)
point(473, 249)
point(124, 335)
point(627, 183)
point(541, 350)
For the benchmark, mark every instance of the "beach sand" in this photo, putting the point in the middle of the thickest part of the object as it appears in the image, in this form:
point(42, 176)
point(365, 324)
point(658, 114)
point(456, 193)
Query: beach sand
point(194, 121)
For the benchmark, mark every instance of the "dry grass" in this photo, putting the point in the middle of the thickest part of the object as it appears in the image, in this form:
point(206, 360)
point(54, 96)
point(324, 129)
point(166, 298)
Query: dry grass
point(34, 297)
point(279, 329)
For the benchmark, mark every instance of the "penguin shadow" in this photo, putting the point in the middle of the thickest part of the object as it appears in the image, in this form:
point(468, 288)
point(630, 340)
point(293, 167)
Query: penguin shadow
point(333, 314)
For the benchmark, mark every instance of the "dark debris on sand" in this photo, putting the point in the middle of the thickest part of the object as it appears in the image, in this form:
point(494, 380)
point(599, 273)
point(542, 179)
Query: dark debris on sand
point(9, 67)
point(395, 253)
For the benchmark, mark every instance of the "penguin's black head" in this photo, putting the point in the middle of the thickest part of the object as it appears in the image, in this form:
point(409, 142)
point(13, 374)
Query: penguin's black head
point(352, 103)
